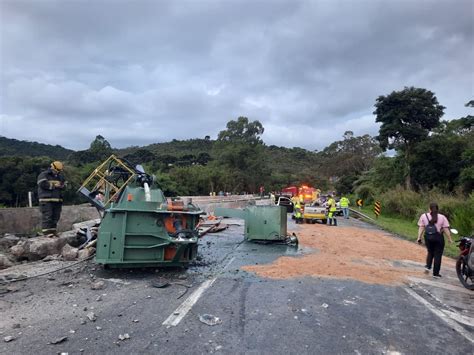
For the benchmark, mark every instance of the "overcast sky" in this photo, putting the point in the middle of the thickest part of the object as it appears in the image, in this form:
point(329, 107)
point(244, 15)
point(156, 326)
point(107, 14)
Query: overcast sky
point(140, 72)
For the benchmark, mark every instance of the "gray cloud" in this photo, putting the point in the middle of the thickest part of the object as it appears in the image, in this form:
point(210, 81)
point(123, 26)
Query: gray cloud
point(140, 72)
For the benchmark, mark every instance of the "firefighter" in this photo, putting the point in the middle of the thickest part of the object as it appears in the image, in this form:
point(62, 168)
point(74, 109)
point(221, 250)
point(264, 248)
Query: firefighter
point(331, 206)
point(298, 214)
point(51, 184)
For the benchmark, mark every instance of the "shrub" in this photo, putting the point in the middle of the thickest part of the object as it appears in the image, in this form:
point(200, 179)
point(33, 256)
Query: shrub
point(399, 201)
point(410, 205)
point(463, 217)
point(366, 193)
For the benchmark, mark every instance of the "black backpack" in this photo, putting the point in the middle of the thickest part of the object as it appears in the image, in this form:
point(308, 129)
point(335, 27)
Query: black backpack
point(431, 233)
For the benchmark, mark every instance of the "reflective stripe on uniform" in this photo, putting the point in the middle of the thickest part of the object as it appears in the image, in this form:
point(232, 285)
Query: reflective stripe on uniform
point(40, 181)
point(50, 200)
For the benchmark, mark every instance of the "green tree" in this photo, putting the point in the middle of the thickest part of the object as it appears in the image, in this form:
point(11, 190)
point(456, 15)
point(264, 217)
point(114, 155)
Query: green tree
point(242, 131)
point(350, 156)
point(407, 117)
point(439, 160)
point(99, 150)
point(240, 150)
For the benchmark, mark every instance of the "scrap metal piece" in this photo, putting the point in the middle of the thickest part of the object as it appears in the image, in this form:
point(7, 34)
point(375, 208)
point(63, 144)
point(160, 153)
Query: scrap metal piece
point(268, 223)
point(88, 236)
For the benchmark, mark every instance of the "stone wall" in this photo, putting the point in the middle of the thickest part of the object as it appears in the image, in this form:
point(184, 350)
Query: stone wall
point(28, 220)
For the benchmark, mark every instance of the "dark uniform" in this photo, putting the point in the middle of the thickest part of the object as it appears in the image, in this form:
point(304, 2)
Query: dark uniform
point(50, 187)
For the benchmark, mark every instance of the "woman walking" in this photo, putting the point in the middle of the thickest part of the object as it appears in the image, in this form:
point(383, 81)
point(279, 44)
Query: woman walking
point(432, 226)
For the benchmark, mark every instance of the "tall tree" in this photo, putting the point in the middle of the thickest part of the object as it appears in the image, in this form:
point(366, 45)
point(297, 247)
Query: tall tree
point(239, 149)
point(242, 131)
point(352, 155)
point(407, 117)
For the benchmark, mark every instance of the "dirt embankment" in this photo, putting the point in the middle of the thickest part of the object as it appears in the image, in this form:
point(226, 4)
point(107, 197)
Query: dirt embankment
point(349, 253)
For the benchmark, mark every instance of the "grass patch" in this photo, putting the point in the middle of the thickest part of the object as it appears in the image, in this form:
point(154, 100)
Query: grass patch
point(406, 229)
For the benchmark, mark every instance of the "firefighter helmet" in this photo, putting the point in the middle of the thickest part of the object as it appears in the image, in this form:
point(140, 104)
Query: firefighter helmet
point(57, 165)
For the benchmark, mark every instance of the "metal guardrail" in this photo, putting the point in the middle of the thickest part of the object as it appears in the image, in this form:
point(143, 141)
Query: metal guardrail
point(362, 215)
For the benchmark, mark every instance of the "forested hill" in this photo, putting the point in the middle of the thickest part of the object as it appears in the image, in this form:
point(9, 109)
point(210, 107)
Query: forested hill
point(14, 147)
point(175, 148)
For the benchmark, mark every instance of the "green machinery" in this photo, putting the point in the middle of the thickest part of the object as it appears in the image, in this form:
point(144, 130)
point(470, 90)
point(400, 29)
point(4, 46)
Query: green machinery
point(140, 227)
point(262, 223)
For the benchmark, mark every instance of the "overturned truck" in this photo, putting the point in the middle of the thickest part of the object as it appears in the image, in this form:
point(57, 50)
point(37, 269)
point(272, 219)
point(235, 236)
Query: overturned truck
point(140, 226)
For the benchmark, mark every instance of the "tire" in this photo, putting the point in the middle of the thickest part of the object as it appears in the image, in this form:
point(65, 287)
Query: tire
point(461, 271)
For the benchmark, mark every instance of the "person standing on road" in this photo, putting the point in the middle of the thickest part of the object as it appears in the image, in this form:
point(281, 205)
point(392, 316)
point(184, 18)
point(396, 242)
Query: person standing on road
point(51, 184)
point(331, 206)
point(432, 226)
point(345, 206)
point(298, 213)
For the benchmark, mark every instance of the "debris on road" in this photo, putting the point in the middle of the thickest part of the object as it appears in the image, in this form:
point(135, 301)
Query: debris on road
point(325, 305)
point(98, 285)
point(348, 302)
point(8, 339)
point(58, 340)
point(367, 260)
point(160, 283)
point(124, 336)
point(92, 317)
point(209, 319)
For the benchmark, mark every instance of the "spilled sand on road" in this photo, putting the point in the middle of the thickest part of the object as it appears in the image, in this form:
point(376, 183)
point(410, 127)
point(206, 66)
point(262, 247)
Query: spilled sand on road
point(348, 253)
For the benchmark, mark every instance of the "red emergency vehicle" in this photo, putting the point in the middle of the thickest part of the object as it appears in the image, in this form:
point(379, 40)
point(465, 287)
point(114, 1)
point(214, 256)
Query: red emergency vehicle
point(305, 193)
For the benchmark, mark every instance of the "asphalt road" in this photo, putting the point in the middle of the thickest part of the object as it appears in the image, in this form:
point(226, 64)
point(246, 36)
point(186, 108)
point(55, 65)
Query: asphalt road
point(308, 315)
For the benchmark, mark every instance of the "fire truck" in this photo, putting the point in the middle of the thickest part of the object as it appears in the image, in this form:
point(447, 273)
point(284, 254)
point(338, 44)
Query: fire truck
point(305, 193)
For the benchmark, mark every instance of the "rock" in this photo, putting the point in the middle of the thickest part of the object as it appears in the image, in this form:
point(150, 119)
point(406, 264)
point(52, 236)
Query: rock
point(85, 253)
point(8, 339)
point(53, 257)
point(58, 340)
point(99, 285)
point(41, 247)
point(37, 248)
point(69, 253)
point(8, 240)
point(16, 326)
point(5, 262)
point(92, 317)
point(20, 250)
point(72, 238)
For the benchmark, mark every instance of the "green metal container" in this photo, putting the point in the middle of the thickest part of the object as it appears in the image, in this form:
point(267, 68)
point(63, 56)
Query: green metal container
point(142, 229)
point(261, 222)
